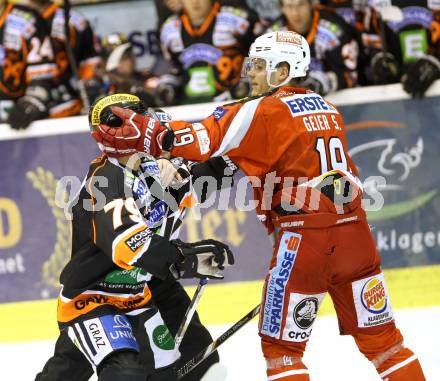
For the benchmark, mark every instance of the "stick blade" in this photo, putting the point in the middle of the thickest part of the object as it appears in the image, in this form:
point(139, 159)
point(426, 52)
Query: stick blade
point(216, 372)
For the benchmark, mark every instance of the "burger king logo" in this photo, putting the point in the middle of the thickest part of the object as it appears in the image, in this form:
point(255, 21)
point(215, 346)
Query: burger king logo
point(373, 296)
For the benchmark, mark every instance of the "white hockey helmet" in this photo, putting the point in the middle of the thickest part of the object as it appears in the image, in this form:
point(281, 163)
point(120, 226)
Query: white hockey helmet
point(277, 47)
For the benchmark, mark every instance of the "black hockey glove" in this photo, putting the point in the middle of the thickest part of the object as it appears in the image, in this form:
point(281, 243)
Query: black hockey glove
point(420, 75)
point(202, 259)
point(26, 110)
point(384, 68)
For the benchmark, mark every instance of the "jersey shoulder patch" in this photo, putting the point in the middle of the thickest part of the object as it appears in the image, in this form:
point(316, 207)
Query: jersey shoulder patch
point(172, 23)
point(79, 22)
point(20, 22)
point(333, 22)
point(328, 35)
point(234, 20)
point(235, 11)
point(170, 33)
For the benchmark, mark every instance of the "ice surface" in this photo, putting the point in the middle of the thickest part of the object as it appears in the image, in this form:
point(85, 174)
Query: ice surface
point(330, 357)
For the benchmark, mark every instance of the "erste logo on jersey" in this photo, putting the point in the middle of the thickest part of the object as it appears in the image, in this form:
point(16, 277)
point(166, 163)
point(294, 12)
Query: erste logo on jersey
point(303, 104)
point(371, 301)
point(434, 4)
point(276, 285)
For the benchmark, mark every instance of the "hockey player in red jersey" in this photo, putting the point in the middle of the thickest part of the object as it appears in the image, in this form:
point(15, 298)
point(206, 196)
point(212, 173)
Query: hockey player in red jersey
point(293, 141)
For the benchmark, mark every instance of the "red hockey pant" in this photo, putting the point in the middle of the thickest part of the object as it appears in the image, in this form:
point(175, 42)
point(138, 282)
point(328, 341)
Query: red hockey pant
point(326, 252)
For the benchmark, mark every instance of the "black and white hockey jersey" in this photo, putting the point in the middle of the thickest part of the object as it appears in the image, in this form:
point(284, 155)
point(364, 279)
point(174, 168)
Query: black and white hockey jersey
point(122, 224)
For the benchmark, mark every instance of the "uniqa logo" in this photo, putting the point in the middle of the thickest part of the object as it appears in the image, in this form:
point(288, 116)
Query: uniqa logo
point(121, 322)
point(373, 296)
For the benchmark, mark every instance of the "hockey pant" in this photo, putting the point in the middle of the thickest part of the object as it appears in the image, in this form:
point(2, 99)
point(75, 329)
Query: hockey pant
point(325, 252)
point(69, 364)
point(136, 337)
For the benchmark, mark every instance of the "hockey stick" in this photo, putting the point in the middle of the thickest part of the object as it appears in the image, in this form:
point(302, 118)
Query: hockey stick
point(190, 312)
point(71, 57)
point(201, 356)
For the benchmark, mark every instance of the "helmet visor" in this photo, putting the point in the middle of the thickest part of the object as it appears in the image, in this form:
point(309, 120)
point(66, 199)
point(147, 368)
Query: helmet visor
point(252, 64)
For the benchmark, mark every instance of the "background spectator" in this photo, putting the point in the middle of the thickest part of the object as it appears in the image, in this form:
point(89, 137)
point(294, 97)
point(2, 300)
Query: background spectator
point(27, 70)
point(408, 47)
point(85, 50)
point(333, 44)
point(166, 8)
point(205, 45)
point(65, 97)
point(121, 74)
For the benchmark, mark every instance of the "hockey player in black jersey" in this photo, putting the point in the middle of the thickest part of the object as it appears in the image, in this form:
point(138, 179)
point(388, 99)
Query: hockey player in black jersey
point(124, 252)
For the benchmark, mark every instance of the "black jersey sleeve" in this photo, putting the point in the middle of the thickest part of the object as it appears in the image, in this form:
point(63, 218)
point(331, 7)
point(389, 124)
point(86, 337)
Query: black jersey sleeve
point(219, 170)
point(119, 230)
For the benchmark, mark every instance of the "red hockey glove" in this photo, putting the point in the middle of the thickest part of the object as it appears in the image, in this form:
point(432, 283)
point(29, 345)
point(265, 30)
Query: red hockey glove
point(135, 133)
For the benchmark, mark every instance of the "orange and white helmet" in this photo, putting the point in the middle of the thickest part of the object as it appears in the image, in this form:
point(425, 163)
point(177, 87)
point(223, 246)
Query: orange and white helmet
point(277, 47)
